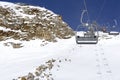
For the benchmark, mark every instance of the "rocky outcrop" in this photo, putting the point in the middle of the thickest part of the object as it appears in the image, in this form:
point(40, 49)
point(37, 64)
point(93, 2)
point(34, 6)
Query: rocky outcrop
point(44, 71)
point(25, 22)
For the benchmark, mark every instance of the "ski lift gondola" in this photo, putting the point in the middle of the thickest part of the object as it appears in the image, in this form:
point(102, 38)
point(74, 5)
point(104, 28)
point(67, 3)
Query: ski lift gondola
point(87, 34)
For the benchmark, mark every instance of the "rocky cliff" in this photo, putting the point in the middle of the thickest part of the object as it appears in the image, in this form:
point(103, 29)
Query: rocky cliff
point(26, 22)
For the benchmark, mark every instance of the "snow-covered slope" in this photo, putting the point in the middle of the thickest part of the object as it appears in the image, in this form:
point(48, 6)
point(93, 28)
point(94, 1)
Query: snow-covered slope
point(72, 61)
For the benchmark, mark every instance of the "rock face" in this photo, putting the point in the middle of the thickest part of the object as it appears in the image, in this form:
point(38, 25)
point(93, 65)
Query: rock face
point(25, 22)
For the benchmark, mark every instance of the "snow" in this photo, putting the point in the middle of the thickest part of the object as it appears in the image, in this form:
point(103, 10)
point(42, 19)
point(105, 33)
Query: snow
point(114, 32)
point(19, 12)
point(88, 62)
point(8, 29)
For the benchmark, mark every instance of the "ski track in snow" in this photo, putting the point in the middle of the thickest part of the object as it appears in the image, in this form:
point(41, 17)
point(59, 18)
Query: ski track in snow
point(104, 72)
point(88, 62)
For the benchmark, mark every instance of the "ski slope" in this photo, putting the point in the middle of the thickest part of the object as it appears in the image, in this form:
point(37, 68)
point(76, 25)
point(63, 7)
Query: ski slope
point(86, 62)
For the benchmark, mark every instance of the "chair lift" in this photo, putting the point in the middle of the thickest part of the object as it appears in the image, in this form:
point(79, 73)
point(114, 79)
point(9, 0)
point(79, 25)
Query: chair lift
point(87, 37)
point(90, 36)
point(114, 32)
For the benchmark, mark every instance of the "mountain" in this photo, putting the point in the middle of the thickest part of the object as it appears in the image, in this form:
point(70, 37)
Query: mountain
point(27, 51)
point(25, 22)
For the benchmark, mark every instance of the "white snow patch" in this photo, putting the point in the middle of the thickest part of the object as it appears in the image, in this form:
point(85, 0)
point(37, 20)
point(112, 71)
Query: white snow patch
point(87, 61)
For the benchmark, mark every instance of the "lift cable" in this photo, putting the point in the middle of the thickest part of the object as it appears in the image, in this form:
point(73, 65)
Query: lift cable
point(85, 5)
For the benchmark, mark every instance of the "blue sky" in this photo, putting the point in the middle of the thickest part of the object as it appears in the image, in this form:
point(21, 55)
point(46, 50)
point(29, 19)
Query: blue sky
point(71, 10)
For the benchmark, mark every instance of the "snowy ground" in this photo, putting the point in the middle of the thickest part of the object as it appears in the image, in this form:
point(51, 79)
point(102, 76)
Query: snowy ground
point(88, 62)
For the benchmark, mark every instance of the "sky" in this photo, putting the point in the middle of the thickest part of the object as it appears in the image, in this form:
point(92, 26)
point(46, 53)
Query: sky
point(105, 11)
